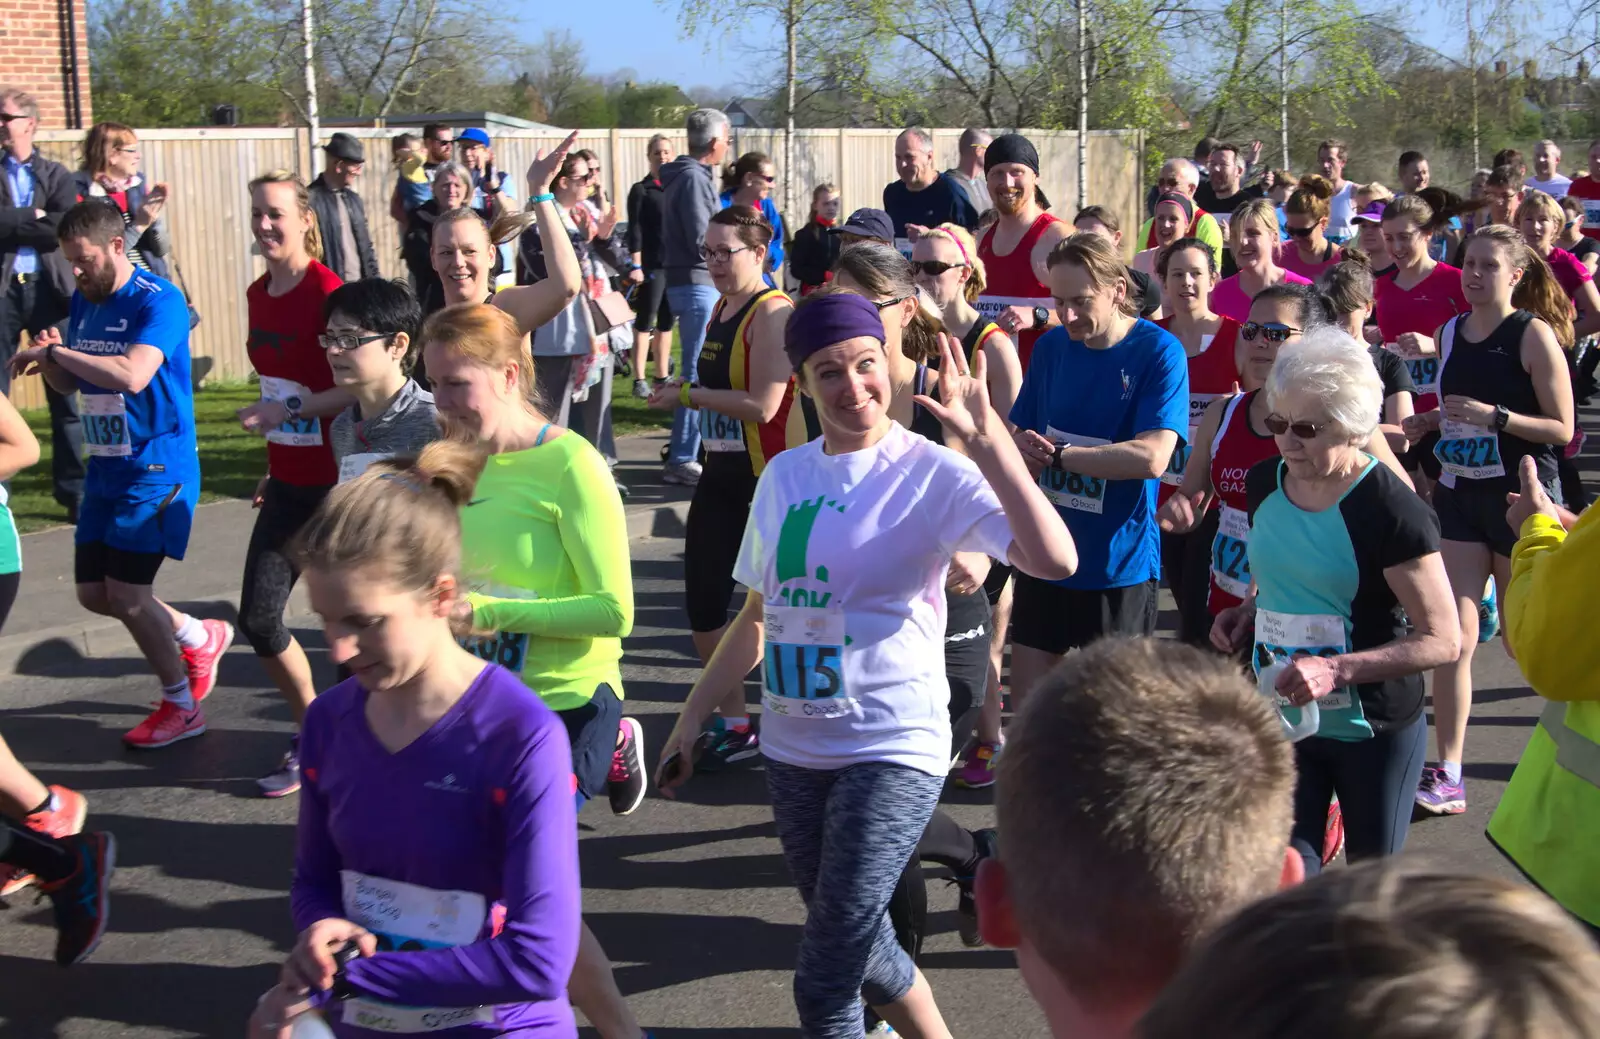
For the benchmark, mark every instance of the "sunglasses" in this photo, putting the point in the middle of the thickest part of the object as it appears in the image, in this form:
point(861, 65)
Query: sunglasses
point(886, 304)
point(442, 140)
point(934, 268)
point(347, 342)
point(1271, 331)
point(1277, 425)
point(1301, 232)
point(7, 117)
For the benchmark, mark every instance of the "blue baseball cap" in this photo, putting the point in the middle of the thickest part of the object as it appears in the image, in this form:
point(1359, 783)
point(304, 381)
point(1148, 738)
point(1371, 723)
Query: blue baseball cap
point(473, 135)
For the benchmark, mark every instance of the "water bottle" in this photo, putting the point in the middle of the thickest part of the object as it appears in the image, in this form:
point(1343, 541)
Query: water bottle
point(1310, 715)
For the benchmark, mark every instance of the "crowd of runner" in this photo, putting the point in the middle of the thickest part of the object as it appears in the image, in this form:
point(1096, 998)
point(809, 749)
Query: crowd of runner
point(947, 476)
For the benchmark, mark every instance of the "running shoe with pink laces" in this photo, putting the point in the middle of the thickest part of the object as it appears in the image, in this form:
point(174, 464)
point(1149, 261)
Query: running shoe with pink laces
point(167, 724)
point(978, 772)
point(65, 820)
point(201, 663)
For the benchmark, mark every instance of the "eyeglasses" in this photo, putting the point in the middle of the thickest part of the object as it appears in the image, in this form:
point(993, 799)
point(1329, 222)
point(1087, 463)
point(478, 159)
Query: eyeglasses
point(1168, 182)
point(1301, 232)
point(934, 268)
point(346, 342)
point(1271, 331)
point(886, 304)
point(1277, 425)
point(721, 255)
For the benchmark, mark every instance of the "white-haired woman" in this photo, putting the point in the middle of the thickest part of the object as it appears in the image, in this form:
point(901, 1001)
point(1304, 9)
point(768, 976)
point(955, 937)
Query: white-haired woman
point(453, 185)
point(1337, 542)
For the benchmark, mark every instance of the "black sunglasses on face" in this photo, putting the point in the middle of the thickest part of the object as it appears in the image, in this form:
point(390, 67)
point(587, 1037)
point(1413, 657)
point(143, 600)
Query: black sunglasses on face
point(1277, 425)
point(1301, 232)
point(1271, 331)
point(886, 304)
point(7, 117)
point(934, 268)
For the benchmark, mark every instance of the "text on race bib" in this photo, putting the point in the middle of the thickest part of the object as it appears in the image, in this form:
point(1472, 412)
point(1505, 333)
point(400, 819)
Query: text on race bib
point(105, 425)
point(1284, 636)
point(295, 432)
point(1069, 490)
point(803, 662)
point(1230, 563)
point(509, 649)
point(352, 466)
point(719, 433)
point(1469, 451)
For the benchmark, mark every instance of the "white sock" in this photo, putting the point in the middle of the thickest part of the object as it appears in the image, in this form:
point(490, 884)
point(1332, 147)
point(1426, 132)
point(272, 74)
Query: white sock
point(179, 695)
point(735, 724)
point(191, 634)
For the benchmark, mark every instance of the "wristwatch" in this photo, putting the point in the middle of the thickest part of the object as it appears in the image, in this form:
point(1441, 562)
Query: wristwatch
point(292, 405)
point(1055, 456)
point(1041, 317)
point(1502, 415)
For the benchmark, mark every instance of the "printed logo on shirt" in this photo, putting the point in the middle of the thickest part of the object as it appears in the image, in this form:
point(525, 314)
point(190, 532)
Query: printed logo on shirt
point(794, 539)
point(447, 784)
point(274, 341)
point(1127, 385)
point(120, 326)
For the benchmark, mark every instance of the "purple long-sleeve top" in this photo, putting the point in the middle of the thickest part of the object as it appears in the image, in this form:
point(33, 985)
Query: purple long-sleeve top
point(419, 845)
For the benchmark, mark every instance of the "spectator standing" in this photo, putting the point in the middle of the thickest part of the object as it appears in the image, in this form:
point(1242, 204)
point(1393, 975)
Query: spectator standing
point(1547, 171)
point(492, 195)
point(922, 197)
point(689, 197)
point(346, 241)
point(452, 189)
point(815, 247)
point(438, 145)
point(968, 171)
point(748, 182)
point(652, 322)
point(34, 194)
point(111, 171)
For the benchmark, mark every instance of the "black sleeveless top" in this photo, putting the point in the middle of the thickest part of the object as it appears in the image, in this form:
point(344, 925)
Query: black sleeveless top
point(1492, 372)
point(715, 372)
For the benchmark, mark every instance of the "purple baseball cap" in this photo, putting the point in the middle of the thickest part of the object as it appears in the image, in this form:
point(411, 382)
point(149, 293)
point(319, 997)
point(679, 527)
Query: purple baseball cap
point(1372, 212)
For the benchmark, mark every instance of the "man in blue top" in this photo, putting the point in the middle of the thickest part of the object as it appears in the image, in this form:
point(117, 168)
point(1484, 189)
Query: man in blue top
point(923, 197)
point(127, 352)
point(1103, 405)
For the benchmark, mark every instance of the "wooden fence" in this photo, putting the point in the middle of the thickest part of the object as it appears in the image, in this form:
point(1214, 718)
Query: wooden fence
point(208, 212)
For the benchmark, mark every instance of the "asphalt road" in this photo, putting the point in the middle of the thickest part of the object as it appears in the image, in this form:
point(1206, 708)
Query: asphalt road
point(690, 899)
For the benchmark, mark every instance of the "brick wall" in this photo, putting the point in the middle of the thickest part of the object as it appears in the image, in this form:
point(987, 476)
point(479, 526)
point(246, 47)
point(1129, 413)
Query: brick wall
point(33, 57)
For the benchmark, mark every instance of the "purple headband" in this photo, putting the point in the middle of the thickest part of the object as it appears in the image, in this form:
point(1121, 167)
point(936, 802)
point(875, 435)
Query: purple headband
point(824, 321)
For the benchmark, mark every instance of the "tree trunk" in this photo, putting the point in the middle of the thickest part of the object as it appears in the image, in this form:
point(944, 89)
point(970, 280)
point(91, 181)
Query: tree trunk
point(1083, 106)
point(1283, 78)
point(307, 37)
point(791, 19)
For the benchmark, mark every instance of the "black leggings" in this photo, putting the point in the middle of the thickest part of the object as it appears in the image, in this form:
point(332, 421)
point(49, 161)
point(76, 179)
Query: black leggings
point(944, 841)
point(9, 586)
point(711, 539)
point(38, 853)
point(269, 573)
point(1186, 562)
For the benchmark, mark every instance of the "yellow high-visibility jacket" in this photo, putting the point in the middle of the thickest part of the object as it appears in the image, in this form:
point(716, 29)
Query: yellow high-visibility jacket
point(1548, 822)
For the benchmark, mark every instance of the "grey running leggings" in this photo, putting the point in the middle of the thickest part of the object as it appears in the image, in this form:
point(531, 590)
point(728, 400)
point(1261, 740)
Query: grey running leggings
point(846, 836)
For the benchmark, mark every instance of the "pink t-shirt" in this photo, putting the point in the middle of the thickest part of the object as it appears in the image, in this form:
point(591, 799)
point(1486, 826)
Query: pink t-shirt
point(1229, 300)
point(1288, 257)
point(1569, 271)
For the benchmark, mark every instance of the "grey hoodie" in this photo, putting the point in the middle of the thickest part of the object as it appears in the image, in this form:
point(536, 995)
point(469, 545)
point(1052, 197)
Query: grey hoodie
point(689, 198)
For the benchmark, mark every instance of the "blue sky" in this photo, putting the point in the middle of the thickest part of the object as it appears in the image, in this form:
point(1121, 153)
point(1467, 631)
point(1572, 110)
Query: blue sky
point(644, 35)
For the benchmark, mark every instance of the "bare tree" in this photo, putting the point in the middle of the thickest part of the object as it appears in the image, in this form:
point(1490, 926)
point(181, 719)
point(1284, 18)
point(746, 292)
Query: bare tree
point(555, 71)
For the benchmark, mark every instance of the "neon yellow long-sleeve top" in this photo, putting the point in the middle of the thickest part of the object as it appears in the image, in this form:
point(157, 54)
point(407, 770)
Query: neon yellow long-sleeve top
point(545, 549)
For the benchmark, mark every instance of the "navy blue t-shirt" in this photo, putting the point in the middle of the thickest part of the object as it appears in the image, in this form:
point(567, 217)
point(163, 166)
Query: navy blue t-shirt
point(942, 202)
point(1088, 398)
point(149, 435)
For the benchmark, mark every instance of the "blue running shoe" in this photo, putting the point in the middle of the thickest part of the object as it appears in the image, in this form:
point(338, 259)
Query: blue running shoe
point(1488, 616)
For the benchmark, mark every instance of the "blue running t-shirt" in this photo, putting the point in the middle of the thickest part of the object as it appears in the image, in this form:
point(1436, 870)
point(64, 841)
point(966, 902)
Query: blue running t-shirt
point(1088, 398)
point(149, 435)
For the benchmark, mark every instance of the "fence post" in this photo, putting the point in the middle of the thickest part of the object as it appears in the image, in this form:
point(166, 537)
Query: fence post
point(839, 176)
point(616, 171)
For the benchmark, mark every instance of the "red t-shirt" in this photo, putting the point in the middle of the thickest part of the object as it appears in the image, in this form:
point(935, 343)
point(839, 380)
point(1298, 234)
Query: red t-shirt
point(1213, 373)
point(284, 350)
point(1420, 309)
point(1569, 271)
point(1587, 189)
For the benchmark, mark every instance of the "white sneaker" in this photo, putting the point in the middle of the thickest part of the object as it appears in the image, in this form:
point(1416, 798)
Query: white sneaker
point(686, 474)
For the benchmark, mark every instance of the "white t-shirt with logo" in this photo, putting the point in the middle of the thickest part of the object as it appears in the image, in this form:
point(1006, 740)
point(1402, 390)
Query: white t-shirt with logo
point(850, 554)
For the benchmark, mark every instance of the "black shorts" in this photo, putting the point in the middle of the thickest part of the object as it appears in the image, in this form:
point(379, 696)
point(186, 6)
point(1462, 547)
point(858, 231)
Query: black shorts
point(995, 583)
point(94, 561)
point(1053, 619)
point(1477, 515)
point(651, 311)
point(966, 662)
point(712, 536)
point(592, 731)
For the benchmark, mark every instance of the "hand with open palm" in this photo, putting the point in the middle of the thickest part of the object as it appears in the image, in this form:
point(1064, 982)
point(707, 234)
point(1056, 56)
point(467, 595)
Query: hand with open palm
point(964, 408)
point(545, 166)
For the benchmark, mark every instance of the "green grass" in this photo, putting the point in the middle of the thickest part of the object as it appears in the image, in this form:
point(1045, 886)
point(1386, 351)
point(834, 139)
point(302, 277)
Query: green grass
point(233, 461)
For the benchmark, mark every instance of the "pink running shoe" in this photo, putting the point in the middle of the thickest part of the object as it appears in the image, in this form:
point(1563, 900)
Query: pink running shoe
point(167, 724)
point(66, 820)
point(201, 663)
